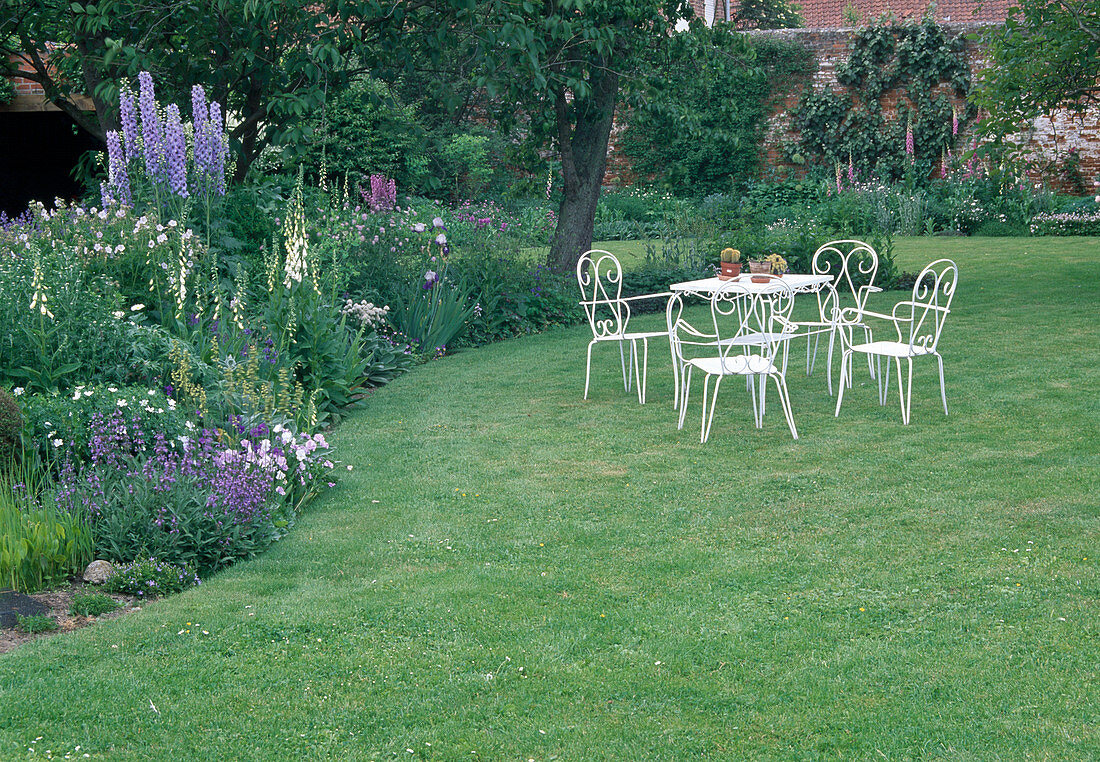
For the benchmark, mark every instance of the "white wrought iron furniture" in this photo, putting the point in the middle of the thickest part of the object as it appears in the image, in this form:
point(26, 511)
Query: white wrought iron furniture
point(689, 337)
point(751, 329)
point(600, 278)
point(918, 321)
point(853, 266)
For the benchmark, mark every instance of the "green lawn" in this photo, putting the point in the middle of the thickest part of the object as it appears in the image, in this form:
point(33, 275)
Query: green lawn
point(513, 573)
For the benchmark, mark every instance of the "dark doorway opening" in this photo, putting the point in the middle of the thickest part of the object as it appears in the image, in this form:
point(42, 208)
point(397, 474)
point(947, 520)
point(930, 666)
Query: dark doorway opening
point(38, 151)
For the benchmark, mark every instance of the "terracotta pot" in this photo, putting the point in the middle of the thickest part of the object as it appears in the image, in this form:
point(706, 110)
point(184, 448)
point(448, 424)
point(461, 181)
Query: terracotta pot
point(760, 268)
point(730, 270)
point(761, 278)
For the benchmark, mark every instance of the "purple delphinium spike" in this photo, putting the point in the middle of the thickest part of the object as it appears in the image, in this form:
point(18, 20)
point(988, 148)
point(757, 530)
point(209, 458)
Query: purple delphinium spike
point(128, 117)
point(219, 147)
point(116, 169)
point(152, 134)
point(176, 150)
point(200, 116)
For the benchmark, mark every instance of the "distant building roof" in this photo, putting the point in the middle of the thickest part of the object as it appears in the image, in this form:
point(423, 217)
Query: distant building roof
point(837, 14)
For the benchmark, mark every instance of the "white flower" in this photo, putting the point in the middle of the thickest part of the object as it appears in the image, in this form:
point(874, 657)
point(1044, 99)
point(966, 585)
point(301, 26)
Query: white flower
point(152, 392)
point(171, 404)
point(122, 403)
point(119, 314)
point(58, 442)
point(112, 389)
point(17, 391)
point(137, 308)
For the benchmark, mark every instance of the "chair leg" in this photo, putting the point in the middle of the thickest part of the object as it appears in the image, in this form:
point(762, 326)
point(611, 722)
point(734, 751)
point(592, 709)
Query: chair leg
point(886, 381)
point(588, 368)
point(645, 366)
point(867, 340)
point(622, 361)
point(713, 405)
point(811, 361)
point(901, 389)
point(908, 391)
point(638, 376)
point(676, 370)
point(763, 406)
point(703, 424)
point(843, 377)
point(685, 387)
point(785, 402)
point(829, 360)
point(943, 388)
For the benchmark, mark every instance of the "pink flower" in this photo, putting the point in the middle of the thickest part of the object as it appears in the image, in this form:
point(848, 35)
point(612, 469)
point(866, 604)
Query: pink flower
point(909, 147)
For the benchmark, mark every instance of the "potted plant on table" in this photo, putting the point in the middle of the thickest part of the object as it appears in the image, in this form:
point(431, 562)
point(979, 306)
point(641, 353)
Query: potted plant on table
point(731, 264)
point(770, 266)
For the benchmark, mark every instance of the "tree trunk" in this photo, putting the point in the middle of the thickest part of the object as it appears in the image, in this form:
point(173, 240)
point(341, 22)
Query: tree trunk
point(584, 129)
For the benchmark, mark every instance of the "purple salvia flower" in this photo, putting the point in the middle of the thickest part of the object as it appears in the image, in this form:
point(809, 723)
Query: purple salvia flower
point(152, 134)
point(176, 145)
point(128, 117)
point(116, 169)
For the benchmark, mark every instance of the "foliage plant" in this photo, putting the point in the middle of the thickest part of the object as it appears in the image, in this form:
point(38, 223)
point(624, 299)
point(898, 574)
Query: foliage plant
point(41, 542)
point(92, 604)
point(151, 578)
point(35, 623)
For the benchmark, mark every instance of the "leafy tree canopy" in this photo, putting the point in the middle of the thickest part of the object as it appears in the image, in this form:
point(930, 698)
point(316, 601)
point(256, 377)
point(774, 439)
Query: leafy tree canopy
point(559, 66)
point(1046, 57)
point(270, 62)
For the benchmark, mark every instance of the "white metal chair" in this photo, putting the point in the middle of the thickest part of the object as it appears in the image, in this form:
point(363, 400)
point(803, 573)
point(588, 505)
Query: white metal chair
point(600, 278)
point(919, 322)
point(853, 265)
point(751, 333)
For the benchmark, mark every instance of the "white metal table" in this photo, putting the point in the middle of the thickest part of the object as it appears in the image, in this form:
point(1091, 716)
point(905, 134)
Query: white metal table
point(799, 283)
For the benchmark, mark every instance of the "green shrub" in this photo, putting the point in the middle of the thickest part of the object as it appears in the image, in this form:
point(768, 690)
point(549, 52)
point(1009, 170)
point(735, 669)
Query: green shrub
point(92, 604)
point(365, 131)
point(150, 578)
point(11, 428)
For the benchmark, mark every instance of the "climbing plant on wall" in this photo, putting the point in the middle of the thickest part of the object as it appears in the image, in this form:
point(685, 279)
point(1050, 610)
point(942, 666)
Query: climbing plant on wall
point(920, 65)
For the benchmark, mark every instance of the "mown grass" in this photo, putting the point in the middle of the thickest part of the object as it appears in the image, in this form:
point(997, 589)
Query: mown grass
point(512, 572)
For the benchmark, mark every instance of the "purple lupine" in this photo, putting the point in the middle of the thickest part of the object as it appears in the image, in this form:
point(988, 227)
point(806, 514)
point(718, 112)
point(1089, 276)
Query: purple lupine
point(219, 148)
point(116, 169)
point(152, 134)
point(128, 118)
point(909, 146)
point(176, 145)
